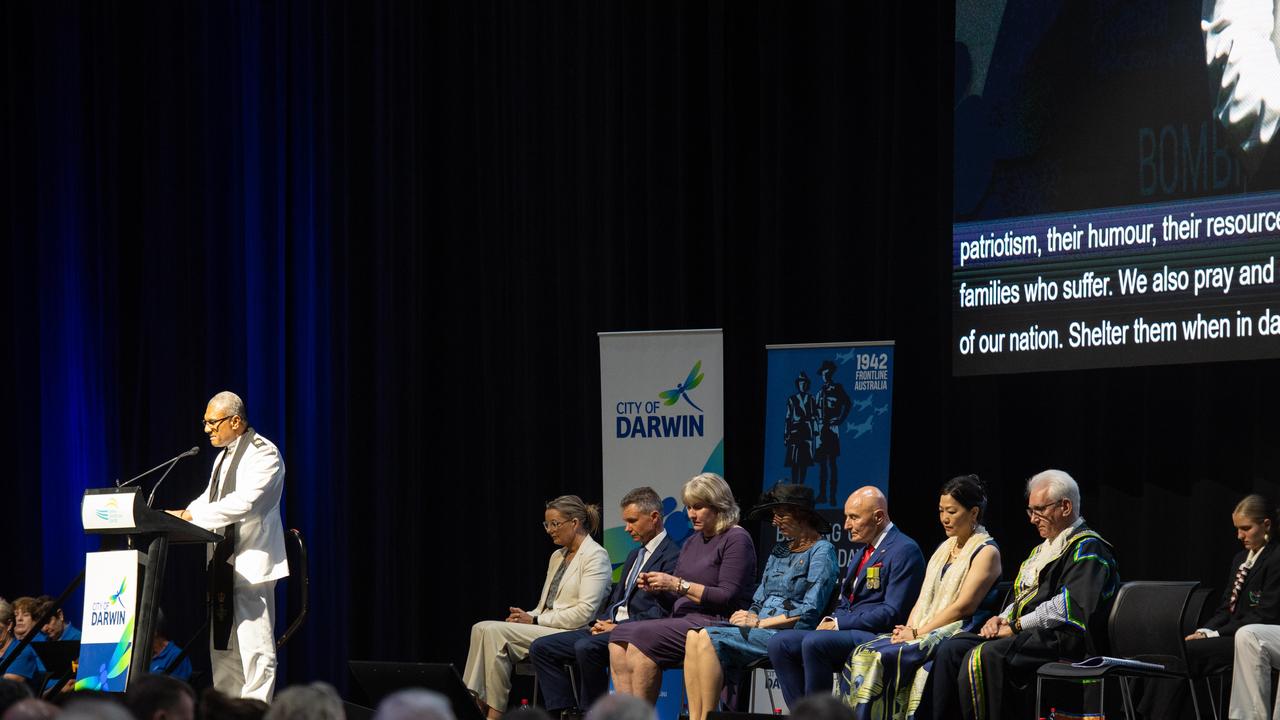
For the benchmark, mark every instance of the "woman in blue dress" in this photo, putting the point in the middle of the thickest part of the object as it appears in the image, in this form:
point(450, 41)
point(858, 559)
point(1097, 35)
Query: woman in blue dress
point(797, 583)
point(886, 676)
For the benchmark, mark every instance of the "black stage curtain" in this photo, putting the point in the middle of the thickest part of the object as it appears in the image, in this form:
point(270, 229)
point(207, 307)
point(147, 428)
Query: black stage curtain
point(396, 228)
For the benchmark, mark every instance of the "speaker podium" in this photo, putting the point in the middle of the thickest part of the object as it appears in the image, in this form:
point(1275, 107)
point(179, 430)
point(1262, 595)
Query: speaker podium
point(122, 587)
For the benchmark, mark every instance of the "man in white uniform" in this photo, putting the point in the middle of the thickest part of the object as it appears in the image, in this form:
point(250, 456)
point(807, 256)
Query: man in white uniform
point(242, 502)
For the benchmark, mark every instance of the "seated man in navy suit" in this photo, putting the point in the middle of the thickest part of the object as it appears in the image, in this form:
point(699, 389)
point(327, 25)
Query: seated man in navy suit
point(642, 518)
point(876, 593)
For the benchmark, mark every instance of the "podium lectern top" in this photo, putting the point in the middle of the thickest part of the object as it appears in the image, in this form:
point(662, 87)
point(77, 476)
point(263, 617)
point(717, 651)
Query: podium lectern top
point(121, 511)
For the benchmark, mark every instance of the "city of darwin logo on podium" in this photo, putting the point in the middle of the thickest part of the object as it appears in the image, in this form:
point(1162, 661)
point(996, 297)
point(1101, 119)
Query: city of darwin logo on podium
point(110, 512)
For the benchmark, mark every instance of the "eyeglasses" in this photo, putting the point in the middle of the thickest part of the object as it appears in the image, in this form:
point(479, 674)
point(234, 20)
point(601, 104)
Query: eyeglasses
point(555, 524)
point(213, 424)
point(1033, 510)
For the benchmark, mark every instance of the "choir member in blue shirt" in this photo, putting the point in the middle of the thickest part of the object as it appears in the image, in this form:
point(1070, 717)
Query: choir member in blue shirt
point(25, 667)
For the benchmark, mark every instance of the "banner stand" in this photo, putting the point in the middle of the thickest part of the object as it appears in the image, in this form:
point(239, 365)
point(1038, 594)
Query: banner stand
point(661, 423)
point(828, 415)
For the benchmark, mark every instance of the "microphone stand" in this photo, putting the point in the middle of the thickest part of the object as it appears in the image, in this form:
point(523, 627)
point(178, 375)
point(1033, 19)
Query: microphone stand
point(155, 487)
point(139, 476)
point(170, 463)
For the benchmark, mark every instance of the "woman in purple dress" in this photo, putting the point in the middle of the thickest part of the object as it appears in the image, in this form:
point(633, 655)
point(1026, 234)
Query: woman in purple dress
point(713, 578)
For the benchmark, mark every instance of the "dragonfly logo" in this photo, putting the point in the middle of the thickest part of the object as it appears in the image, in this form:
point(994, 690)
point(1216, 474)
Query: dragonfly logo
point(691, 381)
point(115, 596)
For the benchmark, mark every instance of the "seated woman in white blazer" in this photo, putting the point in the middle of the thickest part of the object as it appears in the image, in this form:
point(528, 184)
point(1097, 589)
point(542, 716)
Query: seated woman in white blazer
point(578, 576)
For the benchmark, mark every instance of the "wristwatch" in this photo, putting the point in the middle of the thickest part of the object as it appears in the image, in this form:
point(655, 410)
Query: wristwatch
point(684, 587)
point(1017, 625)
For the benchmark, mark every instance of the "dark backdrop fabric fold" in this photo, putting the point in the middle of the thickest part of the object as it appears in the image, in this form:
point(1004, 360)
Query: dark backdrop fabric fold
point(396, 228)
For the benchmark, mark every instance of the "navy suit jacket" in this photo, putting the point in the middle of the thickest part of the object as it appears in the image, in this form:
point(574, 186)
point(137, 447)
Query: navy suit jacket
point(1259, 598)
point(644, 605)
point(901, 571)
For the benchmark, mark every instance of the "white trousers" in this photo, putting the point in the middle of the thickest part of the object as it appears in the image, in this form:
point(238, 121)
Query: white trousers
point(496, 646)
point(247, 668)
point(1257, 652)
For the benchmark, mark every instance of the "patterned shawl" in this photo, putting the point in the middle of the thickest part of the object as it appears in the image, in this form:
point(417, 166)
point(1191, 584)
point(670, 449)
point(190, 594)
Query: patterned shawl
point(940, 590)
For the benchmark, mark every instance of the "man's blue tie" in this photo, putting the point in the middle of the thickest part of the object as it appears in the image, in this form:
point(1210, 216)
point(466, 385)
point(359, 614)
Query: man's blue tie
point(631, 582)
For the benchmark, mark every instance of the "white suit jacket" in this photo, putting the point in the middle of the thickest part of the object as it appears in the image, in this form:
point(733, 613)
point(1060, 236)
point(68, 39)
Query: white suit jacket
point(255, 506)
point(584, 586)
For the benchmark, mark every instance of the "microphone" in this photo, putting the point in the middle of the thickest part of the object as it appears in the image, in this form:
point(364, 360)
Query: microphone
point(194, 449)
point(132, 480)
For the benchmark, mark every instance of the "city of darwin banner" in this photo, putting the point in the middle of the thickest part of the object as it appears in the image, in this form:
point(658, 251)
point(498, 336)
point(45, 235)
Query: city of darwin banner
point(110, 606)
point(661, 423)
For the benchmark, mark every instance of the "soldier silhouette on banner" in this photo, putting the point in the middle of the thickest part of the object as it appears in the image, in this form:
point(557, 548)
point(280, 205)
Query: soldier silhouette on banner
point(798, 430)
point(833, 407)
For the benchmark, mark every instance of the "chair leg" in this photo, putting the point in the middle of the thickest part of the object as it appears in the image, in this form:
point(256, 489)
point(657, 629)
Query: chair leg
point(1220, 707)
point(744, 692)
point(1195, 702)
point(573, 686)
point(1126, 697)
point(1210, 695)
point(1037, 696)
point(773, 704)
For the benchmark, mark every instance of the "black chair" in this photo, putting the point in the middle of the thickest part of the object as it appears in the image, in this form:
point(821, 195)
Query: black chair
point(1145, 624)
point(296, 552)
point(1197, 608)
point(525, 668)
point(744, 684)
point(998, 597)
point(1002, 593)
